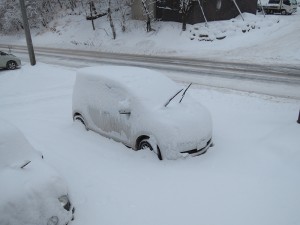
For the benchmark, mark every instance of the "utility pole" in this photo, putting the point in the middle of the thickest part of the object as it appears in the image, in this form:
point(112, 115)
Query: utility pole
point(27, 33)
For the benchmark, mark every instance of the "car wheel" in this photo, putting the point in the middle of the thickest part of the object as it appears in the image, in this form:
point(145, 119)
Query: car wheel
point(79, 118)
point(11, 65)
point(145, 144)
point(283, 12)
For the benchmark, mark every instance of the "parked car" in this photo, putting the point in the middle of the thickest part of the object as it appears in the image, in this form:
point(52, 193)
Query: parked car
point(284, 7)
point(31, 191)
point(142, 109)
point(9, 61)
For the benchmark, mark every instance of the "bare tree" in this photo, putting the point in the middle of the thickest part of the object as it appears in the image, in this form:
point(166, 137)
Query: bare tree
point(111, 23)
point(124, 7)
point(72, 4)
point(42, 12)
point(148, 15)
point(185, 7)
point(10, 17)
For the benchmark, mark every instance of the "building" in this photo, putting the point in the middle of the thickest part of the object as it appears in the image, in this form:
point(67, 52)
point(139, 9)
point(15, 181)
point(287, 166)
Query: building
point(168, 10)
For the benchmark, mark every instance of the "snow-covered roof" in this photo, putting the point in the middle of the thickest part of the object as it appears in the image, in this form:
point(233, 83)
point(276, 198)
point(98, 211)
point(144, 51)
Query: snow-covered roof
point(147, 85)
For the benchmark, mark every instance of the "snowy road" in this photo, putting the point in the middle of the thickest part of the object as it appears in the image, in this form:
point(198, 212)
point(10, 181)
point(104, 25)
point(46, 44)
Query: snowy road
point(263, 79)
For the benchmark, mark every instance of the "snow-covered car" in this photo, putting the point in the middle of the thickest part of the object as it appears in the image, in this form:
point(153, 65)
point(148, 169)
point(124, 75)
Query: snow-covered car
point(9, 61)
point(31, 192)
point(142, 109)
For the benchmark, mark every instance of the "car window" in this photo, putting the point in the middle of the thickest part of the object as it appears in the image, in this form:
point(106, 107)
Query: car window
point(119, 97)
point(109, 97)
point(274, 1)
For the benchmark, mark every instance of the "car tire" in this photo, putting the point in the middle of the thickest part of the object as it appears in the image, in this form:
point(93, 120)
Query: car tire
point(79, 118)
point(11, 65)
point(283, 12)
point(145, 144)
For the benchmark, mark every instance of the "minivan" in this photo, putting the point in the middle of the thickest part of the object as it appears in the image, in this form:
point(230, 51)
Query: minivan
point(143, 109)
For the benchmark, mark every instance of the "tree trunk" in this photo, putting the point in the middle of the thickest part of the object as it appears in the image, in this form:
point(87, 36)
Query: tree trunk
point(146, 11)
point(59, 3)
point(111, 20)
point(183, 22)
point(123, 23)
point(149, 24)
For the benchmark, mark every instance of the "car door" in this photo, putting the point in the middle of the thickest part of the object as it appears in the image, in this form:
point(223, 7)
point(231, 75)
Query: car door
point(110, 112)
point(3, 59)
point(120, 113)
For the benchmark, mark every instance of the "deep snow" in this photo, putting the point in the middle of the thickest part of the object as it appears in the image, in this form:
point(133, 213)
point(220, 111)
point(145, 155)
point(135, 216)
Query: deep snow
point(251, 175)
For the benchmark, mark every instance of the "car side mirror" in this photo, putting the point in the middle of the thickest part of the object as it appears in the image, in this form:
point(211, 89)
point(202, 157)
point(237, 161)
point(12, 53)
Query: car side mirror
point(124, 107)
point(125, 111)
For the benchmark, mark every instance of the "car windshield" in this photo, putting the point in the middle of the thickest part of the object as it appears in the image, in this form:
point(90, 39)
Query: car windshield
point(156, 92)
point(172, 97)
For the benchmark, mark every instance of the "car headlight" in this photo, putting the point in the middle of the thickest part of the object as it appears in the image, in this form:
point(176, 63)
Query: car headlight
point(53, 220)
point(65, 202)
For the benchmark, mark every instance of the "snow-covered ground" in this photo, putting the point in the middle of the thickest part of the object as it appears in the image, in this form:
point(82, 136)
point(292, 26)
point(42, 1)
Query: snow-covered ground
point(258, 39)
point(251, 175)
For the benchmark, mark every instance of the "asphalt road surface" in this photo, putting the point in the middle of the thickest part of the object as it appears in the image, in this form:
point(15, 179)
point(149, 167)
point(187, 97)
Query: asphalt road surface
point(230, 75)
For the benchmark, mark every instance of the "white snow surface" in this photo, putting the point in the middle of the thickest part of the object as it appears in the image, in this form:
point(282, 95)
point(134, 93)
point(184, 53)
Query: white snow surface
point(258, 39)
point(251, 175)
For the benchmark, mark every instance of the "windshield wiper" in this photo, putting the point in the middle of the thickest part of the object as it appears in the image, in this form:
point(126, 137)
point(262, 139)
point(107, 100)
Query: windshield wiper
point(167, 103)
point(183, 94)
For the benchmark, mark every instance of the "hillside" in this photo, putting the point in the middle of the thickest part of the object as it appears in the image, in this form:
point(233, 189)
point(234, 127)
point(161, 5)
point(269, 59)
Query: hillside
point(259, 39)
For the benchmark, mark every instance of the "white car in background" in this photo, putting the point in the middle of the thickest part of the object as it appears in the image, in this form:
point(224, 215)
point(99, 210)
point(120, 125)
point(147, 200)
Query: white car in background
point(9, 61)
point(31, 193)
point(142, 109)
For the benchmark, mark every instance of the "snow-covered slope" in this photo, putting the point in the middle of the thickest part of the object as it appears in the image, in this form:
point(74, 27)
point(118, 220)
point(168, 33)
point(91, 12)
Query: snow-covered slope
point(258, 39)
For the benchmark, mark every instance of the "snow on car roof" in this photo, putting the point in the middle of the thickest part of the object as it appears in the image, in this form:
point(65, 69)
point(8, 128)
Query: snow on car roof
point(147, 85)
point(14, 147)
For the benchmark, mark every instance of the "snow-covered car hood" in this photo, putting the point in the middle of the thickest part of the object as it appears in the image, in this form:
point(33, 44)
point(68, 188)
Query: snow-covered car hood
point(30, 189)
point(30, 196)
point(14, 147)
point(180, 126)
